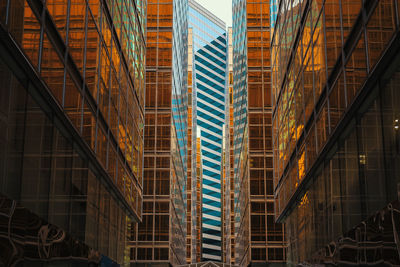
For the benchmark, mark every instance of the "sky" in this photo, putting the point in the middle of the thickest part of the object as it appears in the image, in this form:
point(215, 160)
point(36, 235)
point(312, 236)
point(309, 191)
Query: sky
point(221, 8)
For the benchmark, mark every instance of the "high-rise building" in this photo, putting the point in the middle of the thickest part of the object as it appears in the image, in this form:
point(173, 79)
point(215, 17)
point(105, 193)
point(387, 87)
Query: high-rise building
point(191, 177)
point(161, 237)
point(336, 73)
point(259, 239)
point(240, 134)
point(72, 102)
point(209, 57)
point(227, 164)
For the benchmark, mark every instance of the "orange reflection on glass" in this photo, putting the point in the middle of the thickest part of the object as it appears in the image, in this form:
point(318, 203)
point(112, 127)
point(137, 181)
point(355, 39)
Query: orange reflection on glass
point(301, 164)
point(165, 15)
point(31, 35)
point(253, 14)
point(333, 32)
point(350, 11)
point(58, 11)
point(319, 59)
point(76, 38)
point(165, 54)
point(91, 56)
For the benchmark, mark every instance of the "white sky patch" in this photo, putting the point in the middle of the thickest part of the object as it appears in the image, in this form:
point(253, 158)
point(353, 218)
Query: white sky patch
point(220, 8)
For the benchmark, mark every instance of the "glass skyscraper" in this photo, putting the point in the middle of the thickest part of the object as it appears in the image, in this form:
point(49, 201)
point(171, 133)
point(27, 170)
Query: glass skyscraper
point(258, 238)
point(240, 134)
point(208, 106)
point(336, 130)
point(72, 116)
point(160, 239)
point(192, 207)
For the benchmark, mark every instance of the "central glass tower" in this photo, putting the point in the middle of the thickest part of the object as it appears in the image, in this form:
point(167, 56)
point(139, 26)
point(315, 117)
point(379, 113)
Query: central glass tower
point(208, 101)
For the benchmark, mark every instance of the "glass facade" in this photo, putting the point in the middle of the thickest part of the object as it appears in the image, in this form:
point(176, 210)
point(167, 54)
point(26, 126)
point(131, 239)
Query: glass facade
point(209, 77)
point(179, 128)
point(161, 237)
point(72, 97)
point(192, 211)
point(335, 127)
point(266, 237)
point(240, 134)
point(227, 163)
point(260, 239)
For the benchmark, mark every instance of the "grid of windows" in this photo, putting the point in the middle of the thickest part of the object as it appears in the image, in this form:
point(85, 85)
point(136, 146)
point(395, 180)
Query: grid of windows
point(157, 138)
point(160, 237)
point(264, 232)
point(331, 102)
point(355, 183)
point(43, 168)
point(266, 239)
point(240, 134)
point(179, 153)
point(83, 66)
point(326, 57)
point(194, 174)
point(229, 215)
point(101, 97)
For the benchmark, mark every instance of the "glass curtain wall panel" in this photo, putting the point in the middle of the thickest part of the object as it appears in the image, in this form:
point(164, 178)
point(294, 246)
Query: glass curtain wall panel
point(259, 238)
point(240, 133)
point(161, 236)
point(73, 122)
point(335, 67)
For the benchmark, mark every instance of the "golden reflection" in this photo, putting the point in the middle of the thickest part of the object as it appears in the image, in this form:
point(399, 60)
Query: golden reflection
point(91, 56)
point(333, 32)
point(31, 35)
point(350, 11)
point(58, 11)
point(253, 14)
point(301, 164)
point(319, 60)
point(165, 15)
point(304, 200)
point(76, 38)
